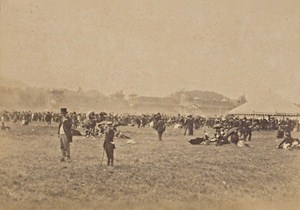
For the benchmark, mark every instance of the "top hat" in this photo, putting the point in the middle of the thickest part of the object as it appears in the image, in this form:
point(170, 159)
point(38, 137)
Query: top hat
point(63, 110)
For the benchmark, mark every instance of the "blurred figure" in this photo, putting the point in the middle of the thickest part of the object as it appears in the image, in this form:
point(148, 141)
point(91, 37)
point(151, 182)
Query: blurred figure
point(48, 118)
point(234, 138)
point(109, 144)
point(287, 141)
point(5, 128)
point(247, 131)
point(189, 125)
point(138, 122)
point(288, 127)
point(280, 130)
point(160, 126)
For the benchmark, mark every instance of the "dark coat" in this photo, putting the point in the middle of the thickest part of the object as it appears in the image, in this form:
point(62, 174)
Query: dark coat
point(67, 126)
point(109, 139)
point(160, 126)
point(189, 123)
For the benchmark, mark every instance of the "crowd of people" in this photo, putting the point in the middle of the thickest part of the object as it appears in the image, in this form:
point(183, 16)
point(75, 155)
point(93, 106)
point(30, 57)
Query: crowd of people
point(188, 122)
point(229, 129)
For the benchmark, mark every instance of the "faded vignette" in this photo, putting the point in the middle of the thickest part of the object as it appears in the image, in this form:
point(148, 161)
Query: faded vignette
point(291, 203)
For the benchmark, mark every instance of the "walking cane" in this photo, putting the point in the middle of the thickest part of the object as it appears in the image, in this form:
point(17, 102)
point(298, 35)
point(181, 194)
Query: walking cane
point(102, 157)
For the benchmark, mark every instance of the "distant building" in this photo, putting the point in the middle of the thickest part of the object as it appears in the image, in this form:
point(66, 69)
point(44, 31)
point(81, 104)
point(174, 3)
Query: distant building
point(184, 104)
point(204, 106)
point(145, 104)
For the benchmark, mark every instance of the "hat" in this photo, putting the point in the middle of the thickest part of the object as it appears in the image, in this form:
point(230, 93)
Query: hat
point(105, 123)
point(63, 111)
point(109, 123)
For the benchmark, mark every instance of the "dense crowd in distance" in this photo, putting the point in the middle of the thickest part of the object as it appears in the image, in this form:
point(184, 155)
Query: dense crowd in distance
point(228, 129)
point(189, 122)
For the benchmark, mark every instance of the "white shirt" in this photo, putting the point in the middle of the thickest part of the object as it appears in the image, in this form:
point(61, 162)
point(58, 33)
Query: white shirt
point(61, 130)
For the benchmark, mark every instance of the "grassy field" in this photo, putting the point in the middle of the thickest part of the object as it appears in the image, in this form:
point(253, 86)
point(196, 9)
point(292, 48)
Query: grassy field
point(171, 174)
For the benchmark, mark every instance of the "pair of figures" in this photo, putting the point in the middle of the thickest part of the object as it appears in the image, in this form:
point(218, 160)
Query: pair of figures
point(65, 137)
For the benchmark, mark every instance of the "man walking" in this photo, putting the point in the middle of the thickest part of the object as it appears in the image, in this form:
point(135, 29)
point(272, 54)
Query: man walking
point(65, 134)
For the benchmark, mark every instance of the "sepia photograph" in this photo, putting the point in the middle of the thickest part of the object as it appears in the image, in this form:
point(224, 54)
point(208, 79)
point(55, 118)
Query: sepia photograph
point(150, 104)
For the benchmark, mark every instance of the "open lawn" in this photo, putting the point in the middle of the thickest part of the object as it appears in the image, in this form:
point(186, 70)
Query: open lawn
point(171, 174)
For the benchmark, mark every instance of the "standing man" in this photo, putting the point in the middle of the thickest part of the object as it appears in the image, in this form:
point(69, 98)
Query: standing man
point(65, 134)
point(109, 144)
point(160, 126)
point(288, 127)
point(247, 131)
point(138, 121)
point(189, 125)
point(48, 118)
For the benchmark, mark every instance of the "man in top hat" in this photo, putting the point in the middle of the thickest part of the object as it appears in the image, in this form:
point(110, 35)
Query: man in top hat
point(65, 133)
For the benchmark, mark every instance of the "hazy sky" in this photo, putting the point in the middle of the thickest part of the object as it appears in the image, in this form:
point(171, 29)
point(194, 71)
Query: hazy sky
point(154, 47)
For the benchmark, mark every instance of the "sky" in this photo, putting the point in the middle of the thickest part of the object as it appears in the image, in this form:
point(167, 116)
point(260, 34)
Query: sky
point(154, 48)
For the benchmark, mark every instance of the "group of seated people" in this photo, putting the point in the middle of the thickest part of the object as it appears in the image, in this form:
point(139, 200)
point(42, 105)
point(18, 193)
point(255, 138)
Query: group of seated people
point(221, 137)
point(233, 136)
point(289, 143)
